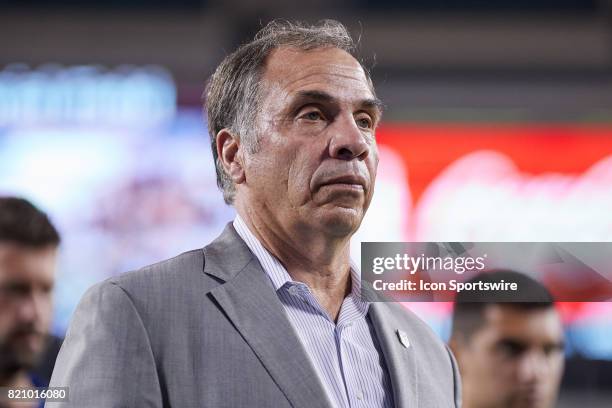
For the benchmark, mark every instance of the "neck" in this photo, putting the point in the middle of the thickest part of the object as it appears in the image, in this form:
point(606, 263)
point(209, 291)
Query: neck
point(309, 256)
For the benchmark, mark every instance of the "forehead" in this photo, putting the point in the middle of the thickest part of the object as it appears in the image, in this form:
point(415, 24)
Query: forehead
point(532, 325)
point(332, 70)
point(25, 263)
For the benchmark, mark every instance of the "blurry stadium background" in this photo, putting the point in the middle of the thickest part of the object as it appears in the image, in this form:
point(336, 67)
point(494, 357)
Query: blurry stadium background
point(498, 127)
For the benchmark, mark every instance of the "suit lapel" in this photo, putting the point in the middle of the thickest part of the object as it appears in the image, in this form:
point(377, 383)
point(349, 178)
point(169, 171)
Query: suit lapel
point(250, 302)
point(399, 355)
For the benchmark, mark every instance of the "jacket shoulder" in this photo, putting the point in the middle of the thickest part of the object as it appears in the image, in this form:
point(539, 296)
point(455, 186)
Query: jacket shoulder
point(187, 264)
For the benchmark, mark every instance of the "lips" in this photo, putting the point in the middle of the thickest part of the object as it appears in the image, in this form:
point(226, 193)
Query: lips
point(348, 180)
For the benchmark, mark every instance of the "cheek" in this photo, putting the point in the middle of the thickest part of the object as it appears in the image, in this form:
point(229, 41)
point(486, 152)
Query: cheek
point(264, 170)
point(372, 165)
point(46, 306)
point(555, 369)
point(298, 180)
point(6, 321)
point(489, 367)
point(372, 172)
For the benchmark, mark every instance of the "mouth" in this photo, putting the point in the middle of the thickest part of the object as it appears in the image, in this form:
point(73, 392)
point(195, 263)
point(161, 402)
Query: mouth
point(348, 182)
point(532, 399)
point(26, 336)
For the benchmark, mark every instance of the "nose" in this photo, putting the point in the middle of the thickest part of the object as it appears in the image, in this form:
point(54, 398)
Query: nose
point(532, 368)
point(348, 142)
point(31, 307)
point(27, 309)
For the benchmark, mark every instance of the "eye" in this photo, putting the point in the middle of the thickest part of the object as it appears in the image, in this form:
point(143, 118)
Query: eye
point(552, 349)
point(364, 122)
point(15, 290)
point(511, 348)
point(312, 115)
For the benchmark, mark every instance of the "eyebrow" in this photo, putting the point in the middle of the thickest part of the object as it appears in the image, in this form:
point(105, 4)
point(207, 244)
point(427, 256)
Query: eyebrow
point(511, 341)
point(321, 96)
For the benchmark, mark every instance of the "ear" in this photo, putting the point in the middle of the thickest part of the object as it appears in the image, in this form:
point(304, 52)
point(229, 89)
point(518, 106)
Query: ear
point(228, 150)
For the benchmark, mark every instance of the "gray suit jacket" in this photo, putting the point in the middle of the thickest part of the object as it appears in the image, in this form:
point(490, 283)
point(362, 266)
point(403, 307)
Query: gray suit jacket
point(206, 329)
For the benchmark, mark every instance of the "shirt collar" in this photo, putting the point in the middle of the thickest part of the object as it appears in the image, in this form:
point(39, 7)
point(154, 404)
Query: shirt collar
point(273, 268)
point(277, 272)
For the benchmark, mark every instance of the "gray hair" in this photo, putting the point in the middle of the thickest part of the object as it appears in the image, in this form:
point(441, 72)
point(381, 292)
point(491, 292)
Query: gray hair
point(233, 92)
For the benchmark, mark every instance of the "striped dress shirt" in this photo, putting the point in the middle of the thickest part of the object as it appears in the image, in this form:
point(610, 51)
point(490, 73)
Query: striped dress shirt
point(345, 354)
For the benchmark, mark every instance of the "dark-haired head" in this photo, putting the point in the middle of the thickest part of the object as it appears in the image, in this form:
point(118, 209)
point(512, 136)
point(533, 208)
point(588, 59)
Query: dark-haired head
point(509, 344)
point(24, 224)
point(469, 307)
point(28, 255)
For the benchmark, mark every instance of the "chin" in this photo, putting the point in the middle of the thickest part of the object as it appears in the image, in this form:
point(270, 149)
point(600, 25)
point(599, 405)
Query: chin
point(341, 221)
point(533, 402)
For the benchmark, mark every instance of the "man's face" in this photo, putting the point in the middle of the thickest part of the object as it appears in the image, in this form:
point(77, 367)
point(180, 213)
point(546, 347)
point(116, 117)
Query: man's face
point(515, 360)
point(316, 163)
point(26, 283)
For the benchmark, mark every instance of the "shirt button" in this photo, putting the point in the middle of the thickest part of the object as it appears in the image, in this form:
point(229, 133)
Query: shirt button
point(359, 396)
point(293, 290)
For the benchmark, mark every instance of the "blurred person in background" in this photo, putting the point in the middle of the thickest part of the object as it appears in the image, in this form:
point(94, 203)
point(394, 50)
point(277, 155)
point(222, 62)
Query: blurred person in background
point(270, 314)
point(510, 347)
point(28, 252)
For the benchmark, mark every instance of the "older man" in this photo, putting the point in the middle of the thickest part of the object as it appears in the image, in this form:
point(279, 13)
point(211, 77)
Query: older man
point(270, 313)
